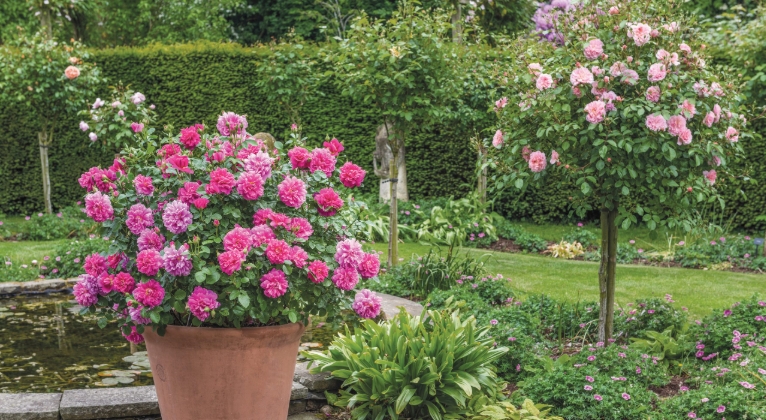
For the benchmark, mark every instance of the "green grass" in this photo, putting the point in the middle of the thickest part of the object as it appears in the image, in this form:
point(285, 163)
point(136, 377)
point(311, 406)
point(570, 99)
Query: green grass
point(23, 252)
point(699, 290)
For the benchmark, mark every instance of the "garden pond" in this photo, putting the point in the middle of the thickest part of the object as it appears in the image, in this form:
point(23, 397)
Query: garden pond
point(47, 346)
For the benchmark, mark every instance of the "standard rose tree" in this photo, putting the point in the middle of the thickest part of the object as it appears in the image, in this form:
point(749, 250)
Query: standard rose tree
point(214, 229)
point(114, 124)
point(623, 105)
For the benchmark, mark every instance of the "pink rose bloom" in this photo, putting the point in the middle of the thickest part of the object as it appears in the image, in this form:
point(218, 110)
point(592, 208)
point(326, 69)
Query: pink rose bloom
point(279, 220)
point(535, 68)
point(188, 193)
point(71, 72)
point(299, 158)
point(369, 266)
point(348, 253)
point(318, 271)
point(732, 135)
point(497, 139)
point(596, 111)
point(710, 176)
point(581, 76)
point(86, 290)
point(202, 302)
point(351, 175)
point(554, 157)
point(641, 33)
point(84, 126)
point(201, 203)
point(614, 10)
point(685, 48)
point(149, 294)
point(322, 160)
point(301, 228)
point(124, 283)
point(98, 103)
point(136, 317)
point(334, 146)
point(261, 234)
point(499, 104)
point(221, 182)
point(676, 123)
point(278, 251)
point(95, 265)
point(139, 218)
point(274, 283)
point(190, 136)
point(261, 217)
point(250, 186)
point(709, 119)
point(657, 72)
point(656, 122)
point(537, 161)
point(662, 54)
point(250, 148)
point(137, 98)
point(298, 256)
point(177, 262)
point(150, 239)
point(717, 162)
point(328, 202)
point(99, 207)
point(148, 262)
point(259, 163)
point(629, 76)
point(684, 137)
point(238, 239)
point(93, 136)
point(230, 261)
point(526, 152)
point(230, 123)
point(134, 337)
point(136, 127)
point(717, 112)
point(345, 278)
point(617, 68)
point(688, 109)
point(292, 192)
point(544, 81)
point(176, 216)
point(367, 304)
point(593, 50)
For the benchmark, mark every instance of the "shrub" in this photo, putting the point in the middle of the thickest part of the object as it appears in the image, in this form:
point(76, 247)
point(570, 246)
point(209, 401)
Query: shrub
point(508, 230)
point(722, 329)
point(13, 271)
point(714, 251)
point(648, 315)
point(626, 254)
point(530, 242)
point(407, 368)
point(69, 257)
point(479, 291)
point(583, 236)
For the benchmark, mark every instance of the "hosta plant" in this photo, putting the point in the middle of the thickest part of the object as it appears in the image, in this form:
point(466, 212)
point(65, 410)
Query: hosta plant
point(212, 229)
point(504, 410)
point(408, 368)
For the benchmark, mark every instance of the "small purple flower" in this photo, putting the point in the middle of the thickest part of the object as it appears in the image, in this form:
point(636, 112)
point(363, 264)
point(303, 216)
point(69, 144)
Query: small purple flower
point(591, 358)
point(597, 397)
point(726, 313)
point(631, 241)
point(625, 396)
point(712, 242)
point(589, 379)
point(579, 224)
point(588, 388)
point(692, 415)
point(493, 322)
point(650, 311)
point(721, 409)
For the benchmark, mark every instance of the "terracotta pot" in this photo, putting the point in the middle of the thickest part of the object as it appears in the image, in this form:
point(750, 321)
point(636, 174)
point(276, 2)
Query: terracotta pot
point(224, 373)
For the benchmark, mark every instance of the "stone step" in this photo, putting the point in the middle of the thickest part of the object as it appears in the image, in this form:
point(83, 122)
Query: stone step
point(29, 406)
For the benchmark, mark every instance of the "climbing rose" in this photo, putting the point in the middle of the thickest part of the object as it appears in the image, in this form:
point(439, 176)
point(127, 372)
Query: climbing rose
point(250, 186)
point(202, 302)
point(177, 262)
point(190, 136)
point(351, 175)
point(656, 122)
point(369, 266)
point(86, 290)
point(95, 265)
point(334, 146)
point(261, 234)
point(497, 139)
point(143, 185)
point(274, 283)
point(99, 207)
point(581, 76)
point(367, 304)
point(277, 251)
point(71, 72)
point(176, 216)
point(596, 111)
point(139, 218)
point(148, 262)
point(221, 182)
point(544, 81)
point(149, 294)
point(657, 72)
point(594, 49)
point(329, 202)
point(134, 337)
point(238, 239)
point(348, 253)
point(292, 192)
point(537, 161)
point(710, 175)
point(322, 160)
point(732, 135)
point(345, 278)
point(299, 158)
point(301, 227)
point(318, 271)
point(230, 261)
point(653, 94)
point(230, 123)
point(149, 239)
point(124, 282)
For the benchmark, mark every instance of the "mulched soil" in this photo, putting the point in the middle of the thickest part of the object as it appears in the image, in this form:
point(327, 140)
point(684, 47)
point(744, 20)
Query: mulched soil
point(671, 389)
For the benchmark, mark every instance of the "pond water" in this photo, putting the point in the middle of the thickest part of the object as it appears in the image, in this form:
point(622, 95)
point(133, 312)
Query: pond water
point(46, 346)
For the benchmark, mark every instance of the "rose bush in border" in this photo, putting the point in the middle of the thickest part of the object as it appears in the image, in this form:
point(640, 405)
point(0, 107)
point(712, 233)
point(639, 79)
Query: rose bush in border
point(215, 230)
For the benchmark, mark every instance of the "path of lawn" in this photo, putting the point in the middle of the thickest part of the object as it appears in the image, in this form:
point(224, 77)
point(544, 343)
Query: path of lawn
point(700, 291)
point(23, 252)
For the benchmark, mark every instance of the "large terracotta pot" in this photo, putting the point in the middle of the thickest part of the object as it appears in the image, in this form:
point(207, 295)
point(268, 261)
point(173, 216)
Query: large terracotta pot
point(224, 373)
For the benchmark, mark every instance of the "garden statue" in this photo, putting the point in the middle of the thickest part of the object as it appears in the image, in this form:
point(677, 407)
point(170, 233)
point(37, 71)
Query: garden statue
point(266, 138)
point(381, 160)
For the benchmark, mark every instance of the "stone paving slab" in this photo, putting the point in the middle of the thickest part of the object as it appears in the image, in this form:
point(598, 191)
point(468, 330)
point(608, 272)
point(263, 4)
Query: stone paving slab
point(104, 403)
point(299, 392)
point(319, 382)
point(306, 416)
point(391, 305)
point(29, 406)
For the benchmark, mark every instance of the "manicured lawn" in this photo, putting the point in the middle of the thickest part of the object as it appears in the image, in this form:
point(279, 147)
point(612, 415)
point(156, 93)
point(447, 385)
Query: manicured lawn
point(699, 290)
point(23, 252)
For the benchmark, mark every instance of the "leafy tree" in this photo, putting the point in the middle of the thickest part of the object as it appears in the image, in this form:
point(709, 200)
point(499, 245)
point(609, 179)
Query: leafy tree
point(404, 67)
point(627, 109)
point(50, 78)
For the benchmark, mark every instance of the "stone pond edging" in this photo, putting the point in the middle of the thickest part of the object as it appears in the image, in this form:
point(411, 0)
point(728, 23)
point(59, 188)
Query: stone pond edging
point(141, 401)
point(11, 288)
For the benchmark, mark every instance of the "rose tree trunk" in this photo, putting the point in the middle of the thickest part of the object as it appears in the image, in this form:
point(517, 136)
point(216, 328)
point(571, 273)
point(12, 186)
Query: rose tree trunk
point(606, 273)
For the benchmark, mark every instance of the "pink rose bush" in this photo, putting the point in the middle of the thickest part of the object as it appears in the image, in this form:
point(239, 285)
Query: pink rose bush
point(211, 228)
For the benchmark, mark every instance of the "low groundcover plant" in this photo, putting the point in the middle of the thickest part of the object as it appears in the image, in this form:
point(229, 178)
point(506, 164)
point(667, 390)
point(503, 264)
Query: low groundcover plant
point(223, 230)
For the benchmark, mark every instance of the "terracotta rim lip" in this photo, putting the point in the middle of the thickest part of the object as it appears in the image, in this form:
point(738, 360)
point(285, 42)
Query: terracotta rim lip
point(284, 329)
point(282, 326)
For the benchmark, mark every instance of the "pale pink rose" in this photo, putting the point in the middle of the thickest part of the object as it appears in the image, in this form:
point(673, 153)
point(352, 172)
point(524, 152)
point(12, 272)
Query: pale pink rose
point(525, 152)
point(672, 27)
point(617, 68)
point(716, 89)
point(676, 123)
point(72, 72)
point(717, 112)
point(732, 135)
point(674, 59)
point(709, 119)
point(497, 139)
point(641, 33)
point(688, 109)
point(716, 161)
point(501, 103)
point(684, 137)
point(535, 68)
point(596, 111)
point(544, 81)
point(662, 54)
point(537, 161)
point(685, 48)
point(614, 10)
point(629, 76)
point(657, 72)
point(710, 175)
point(581, 76)
point(594, 49)
point(656, 122)
point(554, 157)
point(653, 94)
